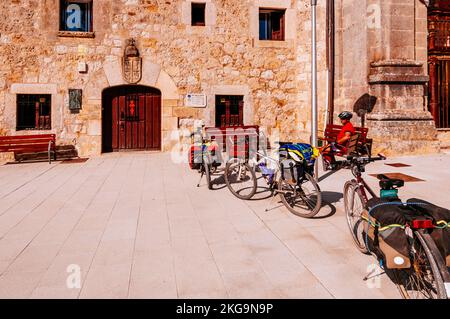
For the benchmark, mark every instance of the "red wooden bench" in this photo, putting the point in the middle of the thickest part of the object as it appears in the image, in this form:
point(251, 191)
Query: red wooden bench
point(364, 144)
point(30, 144)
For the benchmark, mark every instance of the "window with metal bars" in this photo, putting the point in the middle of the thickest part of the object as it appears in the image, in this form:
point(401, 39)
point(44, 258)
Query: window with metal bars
point(76, 15)
point(33, 112)
point(229, 110)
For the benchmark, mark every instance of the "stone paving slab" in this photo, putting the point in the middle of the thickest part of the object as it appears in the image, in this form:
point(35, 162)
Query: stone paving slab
point(137, 226)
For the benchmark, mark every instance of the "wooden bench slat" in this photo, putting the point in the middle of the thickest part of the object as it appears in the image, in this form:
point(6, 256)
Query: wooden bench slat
point(21, 149)
point(25, 137)
point(23, 144)
point(21, 138)
point(18, 142)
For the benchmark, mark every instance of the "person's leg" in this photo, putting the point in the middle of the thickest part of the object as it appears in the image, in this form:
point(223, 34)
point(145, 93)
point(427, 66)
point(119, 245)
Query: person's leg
point(328, 158)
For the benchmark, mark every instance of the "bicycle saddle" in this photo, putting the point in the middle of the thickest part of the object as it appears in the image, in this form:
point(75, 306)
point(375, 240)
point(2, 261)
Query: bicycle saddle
point(387, 183)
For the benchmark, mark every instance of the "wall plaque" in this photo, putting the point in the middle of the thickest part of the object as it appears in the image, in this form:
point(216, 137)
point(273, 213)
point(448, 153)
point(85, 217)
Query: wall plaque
point(195, 100)
point(75, 100)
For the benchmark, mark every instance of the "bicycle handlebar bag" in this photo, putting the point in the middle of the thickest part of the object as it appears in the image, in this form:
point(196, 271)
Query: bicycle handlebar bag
point(441, 236)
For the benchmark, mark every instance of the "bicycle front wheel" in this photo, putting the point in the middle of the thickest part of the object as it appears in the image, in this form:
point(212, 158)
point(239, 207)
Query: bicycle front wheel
point(423, 280)
point(240, 179)
point(353, 211)
point(304, 200)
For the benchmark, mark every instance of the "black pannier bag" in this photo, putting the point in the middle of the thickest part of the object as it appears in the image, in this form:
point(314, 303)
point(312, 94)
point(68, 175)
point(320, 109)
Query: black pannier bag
point(391, 244)
point(292, 171)
point(441, 236)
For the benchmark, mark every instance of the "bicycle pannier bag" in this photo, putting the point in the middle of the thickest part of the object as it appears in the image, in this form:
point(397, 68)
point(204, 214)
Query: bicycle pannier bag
point(441, 217)
point(302, 155)
point(388, 241)
point(195, 156)
point(292, 171)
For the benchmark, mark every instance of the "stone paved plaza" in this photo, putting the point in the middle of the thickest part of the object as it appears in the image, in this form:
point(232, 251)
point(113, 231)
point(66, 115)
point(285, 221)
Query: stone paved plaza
point(138, 227)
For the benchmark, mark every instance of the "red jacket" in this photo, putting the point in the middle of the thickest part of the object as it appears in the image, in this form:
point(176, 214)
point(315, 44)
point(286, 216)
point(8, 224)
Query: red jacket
point(348, 127)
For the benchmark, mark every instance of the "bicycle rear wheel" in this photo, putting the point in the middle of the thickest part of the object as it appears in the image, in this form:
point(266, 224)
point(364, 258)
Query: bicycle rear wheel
point(423, 280)
point(304, 200)
point(353, 209)
point(240, 179)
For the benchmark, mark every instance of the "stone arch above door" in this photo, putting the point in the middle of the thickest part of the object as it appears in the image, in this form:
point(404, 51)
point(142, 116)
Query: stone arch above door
point(152, 75)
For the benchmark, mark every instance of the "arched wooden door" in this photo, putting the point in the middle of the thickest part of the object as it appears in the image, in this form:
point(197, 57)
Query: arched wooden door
point(131, 118)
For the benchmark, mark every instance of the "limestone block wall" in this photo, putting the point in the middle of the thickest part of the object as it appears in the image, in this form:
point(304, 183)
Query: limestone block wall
point(223, 57)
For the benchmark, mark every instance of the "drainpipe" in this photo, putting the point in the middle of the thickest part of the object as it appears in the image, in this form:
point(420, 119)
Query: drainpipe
point(314, 115)
point(330, 61)
point(314, 118)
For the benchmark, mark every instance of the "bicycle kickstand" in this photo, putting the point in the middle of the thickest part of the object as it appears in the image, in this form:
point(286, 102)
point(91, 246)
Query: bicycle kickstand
point(201, 177)
point(271, 202)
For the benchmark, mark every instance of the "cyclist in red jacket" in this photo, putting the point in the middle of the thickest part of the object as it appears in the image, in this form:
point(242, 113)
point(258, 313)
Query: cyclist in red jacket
point(340, 145)
point(347, 130)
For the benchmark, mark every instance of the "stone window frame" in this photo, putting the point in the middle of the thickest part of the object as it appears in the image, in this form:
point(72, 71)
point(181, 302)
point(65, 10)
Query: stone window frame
point(19, 110)
point(34, 88)
point(76, 34)
point(270, 13)
point(186, 14)
point(222, 89)
point(290, 31)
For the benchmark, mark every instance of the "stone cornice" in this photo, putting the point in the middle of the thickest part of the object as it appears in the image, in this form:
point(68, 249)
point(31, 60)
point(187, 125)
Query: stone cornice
point(397, 71)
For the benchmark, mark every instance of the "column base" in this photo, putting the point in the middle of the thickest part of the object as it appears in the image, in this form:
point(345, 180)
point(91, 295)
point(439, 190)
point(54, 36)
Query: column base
point(403, 133)
point(400, 124)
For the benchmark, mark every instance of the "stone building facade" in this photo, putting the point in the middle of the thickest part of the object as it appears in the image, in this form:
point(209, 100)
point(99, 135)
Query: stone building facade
point(219, 58)
point(389, 42)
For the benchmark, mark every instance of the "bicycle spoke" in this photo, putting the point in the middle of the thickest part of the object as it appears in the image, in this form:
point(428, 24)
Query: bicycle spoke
point(419, 281)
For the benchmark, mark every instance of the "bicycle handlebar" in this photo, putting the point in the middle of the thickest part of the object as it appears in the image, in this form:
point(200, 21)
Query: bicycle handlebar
point(380, 157)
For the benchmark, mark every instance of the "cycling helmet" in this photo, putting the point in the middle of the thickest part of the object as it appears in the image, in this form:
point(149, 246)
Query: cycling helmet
point(345, 115)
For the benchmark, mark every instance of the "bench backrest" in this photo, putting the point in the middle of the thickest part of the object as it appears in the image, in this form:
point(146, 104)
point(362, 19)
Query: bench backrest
point(332, 131)
point(352, 143)
point(26, 143)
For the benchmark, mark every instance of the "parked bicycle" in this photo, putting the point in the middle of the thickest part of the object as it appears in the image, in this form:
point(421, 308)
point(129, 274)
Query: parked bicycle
point(399, 234)
point(290, 175)
point(203, 157)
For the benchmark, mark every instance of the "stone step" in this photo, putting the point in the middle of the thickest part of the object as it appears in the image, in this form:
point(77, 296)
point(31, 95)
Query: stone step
point(62, 152)
point(65, 147)
point(444, 139)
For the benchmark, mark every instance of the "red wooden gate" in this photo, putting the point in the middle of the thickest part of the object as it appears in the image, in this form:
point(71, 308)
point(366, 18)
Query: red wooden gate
point(135, 119)
point(439, 62)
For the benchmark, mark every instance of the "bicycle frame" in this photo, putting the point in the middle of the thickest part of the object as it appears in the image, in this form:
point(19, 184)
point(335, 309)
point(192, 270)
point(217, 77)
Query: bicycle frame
point(363, 186)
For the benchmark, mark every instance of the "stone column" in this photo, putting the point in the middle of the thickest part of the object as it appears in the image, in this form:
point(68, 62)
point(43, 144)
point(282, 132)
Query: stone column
point(400, 122)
